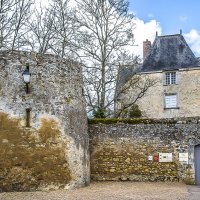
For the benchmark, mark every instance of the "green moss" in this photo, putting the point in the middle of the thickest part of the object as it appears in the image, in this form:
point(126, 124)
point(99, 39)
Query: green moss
point(131, 121)
point(189, 181)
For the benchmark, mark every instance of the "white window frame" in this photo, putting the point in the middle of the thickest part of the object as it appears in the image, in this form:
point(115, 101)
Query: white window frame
point(170, 78)
point(171, 103)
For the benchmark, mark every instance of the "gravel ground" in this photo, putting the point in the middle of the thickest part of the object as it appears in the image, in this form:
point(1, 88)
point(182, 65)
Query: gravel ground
point(194, 191)
point(109, 191)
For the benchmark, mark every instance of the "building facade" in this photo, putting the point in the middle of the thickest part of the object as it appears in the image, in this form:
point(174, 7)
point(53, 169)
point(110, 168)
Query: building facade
point(170, 62)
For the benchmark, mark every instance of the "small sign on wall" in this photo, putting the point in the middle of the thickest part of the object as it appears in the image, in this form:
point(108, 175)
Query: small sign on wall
point(183, 157)
point(150, 158)
point(156, 158)
point(165, 157)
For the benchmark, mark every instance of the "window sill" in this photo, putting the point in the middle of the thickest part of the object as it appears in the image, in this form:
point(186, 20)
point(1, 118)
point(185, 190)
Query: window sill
point(169, 84)
point(172, 108)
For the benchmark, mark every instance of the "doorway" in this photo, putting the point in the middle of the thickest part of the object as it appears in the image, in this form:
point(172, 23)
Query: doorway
point(197, 164)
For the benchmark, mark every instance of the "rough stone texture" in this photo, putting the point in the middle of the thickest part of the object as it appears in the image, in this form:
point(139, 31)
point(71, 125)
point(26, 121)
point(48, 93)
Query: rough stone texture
point(53, 151)
point(168, 53)
point(146, 48)
point(152, 104)
point(120, 151)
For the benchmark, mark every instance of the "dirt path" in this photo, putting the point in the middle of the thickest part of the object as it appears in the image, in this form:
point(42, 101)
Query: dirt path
point(109, 191)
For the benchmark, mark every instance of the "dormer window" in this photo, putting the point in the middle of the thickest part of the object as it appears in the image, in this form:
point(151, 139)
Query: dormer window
point(170, 78)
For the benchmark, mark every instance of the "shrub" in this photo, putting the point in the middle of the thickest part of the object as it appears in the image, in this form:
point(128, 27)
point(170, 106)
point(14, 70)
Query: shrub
point(99, 113)
point(135, 112)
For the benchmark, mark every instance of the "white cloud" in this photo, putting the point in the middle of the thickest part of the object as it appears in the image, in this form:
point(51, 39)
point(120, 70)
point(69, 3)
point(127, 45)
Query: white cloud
point(193, 40)
point(145, 31)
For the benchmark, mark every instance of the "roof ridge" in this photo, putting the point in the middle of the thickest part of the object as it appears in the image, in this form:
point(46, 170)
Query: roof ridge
point(170, 35)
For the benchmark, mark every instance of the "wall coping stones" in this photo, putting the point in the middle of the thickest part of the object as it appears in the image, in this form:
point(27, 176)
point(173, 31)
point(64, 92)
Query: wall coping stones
point(188, 120)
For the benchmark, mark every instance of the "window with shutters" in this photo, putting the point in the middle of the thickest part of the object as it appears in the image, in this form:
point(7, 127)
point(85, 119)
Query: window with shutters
point(170, 78)
point(171, 101)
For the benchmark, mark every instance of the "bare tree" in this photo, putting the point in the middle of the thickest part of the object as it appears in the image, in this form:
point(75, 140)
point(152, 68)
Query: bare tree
point(106, 30)
point(40, 28)
point(65, 27)
point(13, 15)
point(6, 21)
point(99, 32)
point(52, 28)
point(131, 87)
point(21, 15)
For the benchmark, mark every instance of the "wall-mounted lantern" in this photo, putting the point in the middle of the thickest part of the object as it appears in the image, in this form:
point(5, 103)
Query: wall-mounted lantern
point(26, 76)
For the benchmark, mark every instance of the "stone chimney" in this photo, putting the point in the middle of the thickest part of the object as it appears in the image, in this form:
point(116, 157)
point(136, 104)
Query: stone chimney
point(146, 48)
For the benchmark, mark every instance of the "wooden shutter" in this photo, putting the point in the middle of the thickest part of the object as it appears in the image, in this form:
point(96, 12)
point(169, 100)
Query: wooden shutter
point(171, 101)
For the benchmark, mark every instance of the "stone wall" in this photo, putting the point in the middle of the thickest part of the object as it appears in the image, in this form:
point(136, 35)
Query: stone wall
point(123, 151)
point(53, 151)
point(152, 104)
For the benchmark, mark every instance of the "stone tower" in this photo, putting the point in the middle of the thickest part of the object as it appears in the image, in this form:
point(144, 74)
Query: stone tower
point(44, 128)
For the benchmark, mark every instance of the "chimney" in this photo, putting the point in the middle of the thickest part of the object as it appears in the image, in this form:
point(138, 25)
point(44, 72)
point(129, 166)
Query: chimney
point(146, 48)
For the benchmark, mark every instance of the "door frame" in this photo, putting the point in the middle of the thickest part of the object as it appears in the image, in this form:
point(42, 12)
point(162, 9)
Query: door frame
point(195, 161)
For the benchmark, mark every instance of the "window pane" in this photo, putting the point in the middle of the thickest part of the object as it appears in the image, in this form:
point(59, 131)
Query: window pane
point(167, 78)
point(171, 101)
point(170, 78)
point(173, 77)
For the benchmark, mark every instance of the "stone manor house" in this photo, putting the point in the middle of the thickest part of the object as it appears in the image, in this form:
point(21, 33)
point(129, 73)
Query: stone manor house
point(176, 71)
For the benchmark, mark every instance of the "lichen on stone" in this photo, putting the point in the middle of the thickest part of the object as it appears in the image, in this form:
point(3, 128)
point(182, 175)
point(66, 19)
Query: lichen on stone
point(27, 164)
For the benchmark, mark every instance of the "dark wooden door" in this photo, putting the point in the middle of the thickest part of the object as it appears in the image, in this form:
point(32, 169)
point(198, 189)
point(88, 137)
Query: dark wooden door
point(197, 164)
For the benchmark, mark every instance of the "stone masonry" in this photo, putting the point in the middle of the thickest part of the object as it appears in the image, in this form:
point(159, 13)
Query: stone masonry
point(53, 151)
point(152, 104)
point(169, 97)
point(146, 48)
point(122, 151)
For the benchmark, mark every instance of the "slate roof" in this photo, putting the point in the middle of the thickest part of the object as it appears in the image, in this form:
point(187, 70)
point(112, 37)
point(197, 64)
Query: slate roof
point(124, 74)
point(169, 52)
